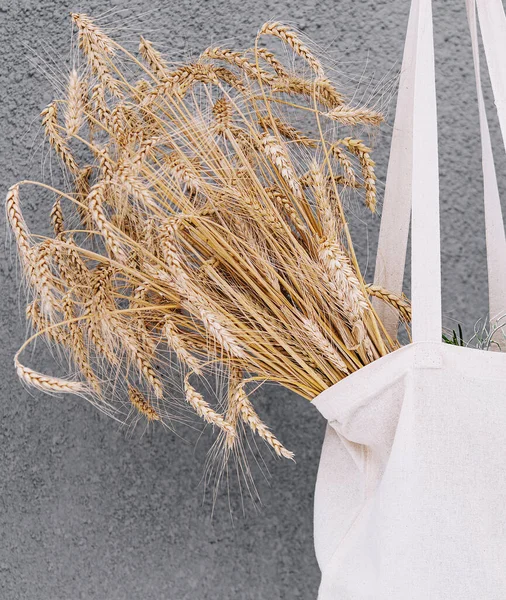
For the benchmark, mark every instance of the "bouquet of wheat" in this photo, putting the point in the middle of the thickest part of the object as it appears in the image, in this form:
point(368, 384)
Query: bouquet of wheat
point(201, 232)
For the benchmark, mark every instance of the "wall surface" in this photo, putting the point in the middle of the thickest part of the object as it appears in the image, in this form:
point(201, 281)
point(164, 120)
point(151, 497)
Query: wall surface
point(91, 510)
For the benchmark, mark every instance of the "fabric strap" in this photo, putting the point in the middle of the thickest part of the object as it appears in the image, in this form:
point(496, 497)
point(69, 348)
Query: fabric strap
point(413, 185)
point(396, 214)
point(425, 237)
point(493, 31)
point(412, 178)
point(493, 26)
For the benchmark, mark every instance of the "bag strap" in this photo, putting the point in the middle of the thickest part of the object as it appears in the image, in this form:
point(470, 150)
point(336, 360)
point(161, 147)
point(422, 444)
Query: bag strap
point(413, 185)
point(396, 210)
point(493, 29)
point(412, 177)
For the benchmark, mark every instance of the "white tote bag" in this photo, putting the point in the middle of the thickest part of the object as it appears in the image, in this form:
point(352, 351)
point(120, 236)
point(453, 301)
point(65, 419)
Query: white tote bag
point(410, 499)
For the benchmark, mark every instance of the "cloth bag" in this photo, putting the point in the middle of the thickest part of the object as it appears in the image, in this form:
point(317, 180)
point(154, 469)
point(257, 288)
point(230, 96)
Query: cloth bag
point(410, 499)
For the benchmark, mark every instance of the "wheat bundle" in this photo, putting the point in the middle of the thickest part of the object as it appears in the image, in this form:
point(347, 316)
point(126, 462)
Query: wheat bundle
point(203, 230)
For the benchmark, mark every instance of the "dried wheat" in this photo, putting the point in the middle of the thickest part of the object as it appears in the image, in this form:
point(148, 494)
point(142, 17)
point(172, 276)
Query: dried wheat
point(98, 48)
point(41, 323)
point(153, 58)
point(46, 383)
point(41, 276)
point(95, 203)
point(271, 59)
point(17, 223)
point(140, 403)
point(50, 123)
point(398, 303)
point(184, 171)
point(57, 218)
point(76, 104)
point(239, 60)
point(286, 206)
point(139, 356)
point(355, 116)
point(322, 199)
point(176, 342)
point(195, 237)
point(359, 149)
point(347, 285)
point(204, 410)
point(343, 159)
point(275, 151)
point(322, 343)
point(222, 113)
point(79, 351)
point(287, 131)
point(244, 407)
point(292, 40)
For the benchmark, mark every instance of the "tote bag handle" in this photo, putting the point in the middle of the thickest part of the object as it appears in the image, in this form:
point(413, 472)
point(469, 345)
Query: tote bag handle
point(412, 186)
point(412, 178)
point(493, 28)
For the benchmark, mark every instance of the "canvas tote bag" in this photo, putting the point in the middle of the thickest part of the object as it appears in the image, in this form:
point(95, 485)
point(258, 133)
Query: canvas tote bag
point(410, 500)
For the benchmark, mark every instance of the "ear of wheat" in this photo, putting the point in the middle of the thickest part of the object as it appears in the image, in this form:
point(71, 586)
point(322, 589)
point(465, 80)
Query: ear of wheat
point(212, 233)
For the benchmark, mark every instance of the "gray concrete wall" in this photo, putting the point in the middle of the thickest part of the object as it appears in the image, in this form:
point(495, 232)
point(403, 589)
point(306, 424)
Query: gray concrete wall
point(89, 512)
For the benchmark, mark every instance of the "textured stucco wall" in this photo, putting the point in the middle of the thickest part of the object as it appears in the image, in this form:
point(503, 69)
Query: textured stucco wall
point(88, 511)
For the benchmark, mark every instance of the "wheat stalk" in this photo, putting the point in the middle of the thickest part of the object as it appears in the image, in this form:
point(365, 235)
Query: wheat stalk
point(41, 276)
point(75, 338)
point(183, 172)
point(47, 383)
point(222, 112)
point(291, 38)
point(50, 123)
point(95, 201)
point(399, 304)
point(153, 58)
point(320, 90)
point(204, 410)
point(98, 49)
point(239, 60)
point(270, 58)
point(345, 162)
point(244, 408)
point(355, 116)
point(76, 104)
point(286, 206)
point(275, 151)
point(57, 220)
point(42, 324)
point(17, 222)
point(322, 191)
point(360, 150)
point(339, 267)
point(206, 231)
point(71, 267)
point(140, 403)
point(322, 343)
point(176, 342)
point(287, 131)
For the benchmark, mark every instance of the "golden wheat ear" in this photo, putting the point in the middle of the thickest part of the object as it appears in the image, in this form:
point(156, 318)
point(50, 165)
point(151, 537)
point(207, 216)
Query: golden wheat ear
point(141, 404)
point(244, 408)
point(47, 383)
point(204, 410)
point(292, 39)
point(205, 235)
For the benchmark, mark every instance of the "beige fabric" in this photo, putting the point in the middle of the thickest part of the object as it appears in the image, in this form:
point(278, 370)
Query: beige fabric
point(492, 15)
point(393, 238)
point(410, 500)
point(413, 185)
point(396, 210)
